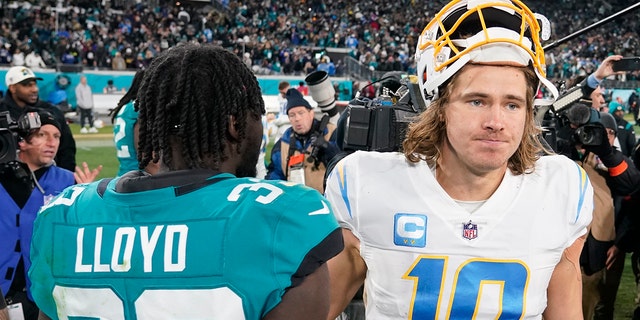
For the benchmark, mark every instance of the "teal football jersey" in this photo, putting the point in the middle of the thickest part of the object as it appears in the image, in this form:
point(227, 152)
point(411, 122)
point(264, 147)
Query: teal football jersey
point(123, 138)
point(217, 248)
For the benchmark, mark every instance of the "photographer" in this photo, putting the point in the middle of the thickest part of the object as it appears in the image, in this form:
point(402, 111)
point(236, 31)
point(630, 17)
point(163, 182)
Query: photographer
point(613, 177)
point(302, 153)
point(26, 186)
point(22, 93)
point(586, 136)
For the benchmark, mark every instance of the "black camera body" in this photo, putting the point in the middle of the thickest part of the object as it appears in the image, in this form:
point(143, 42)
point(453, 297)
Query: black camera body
point(577, 124)
point(380, 124)
point(11, 131)
point(590, 134)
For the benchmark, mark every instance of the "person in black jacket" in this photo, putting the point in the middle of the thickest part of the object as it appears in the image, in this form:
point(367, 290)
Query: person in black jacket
point(22, 92)
point(626, 135)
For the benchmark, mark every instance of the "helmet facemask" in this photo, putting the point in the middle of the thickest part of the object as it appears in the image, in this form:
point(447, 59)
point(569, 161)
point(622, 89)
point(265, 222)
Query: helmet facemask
point(498, 32)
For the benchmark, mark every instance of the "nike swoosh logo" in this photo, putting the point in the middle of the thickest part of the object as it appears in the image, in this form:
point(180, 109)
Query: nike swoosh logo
point(324, 210)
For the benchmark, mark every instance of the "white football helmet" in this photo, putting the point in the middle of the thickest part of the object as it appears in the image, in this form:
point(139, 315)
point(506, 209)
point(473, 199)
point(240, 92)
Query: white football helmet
point(481, 31)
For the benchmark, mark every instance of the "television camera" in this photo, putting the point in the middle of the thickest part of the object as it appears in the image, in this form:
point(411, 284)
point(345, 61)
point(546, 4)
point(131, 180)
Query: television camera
point(10, 133)
point(570, 121)
point(380, 124)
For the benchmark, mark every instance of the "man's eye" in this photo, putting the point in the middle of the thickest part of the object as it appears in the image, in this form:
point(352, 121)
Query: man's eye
point(475, 103)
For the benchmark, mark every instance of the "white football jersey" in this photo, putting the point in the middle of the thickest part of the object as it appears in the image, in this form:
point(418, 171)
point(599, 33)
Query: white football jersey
point(429, 258)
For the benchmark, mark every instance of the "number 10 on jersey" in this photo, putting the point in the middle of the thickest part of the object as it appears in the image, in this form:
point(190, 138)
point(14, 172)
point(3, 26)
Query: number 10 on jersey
point(511, 277)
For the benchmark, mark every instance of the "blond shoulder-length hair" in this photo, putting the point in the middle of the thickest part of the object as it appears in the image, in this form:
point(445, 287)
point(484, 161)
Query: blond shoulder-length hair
point(428, 132)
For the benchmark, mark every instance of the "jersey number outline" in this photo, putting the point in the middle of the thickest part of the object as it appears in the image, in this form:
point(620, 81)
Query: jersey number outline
point(122, 150)
point(161, 304)
point(427, 272)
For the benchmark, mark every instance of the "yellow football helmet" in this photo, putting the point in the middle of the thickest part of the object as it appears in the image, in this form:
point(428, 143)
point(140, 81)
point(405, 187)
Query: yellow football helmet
point(481, 31)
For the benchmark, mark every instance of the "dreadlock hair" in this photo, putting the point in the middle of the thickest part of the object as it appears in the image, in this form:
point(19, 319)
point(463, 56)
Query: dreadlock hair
point(129, 96)
point(187, 97)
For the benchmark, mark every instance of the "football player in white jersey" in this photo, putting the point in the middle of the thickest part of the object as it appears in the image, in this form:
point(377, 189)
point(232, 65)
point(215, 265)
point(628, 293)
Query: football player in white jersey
point(471, 221)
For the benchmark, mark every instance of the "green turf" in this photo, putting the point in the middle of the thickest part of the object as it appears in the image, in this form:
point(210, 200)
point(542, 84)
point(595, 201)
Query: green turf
point(75, 129)
point(626, 293)
point(94, 156)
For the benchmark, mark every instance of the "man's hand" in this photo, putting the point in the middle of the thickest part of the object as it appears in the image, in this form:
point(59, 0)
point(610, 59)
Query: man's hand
point(612, 256)
point(85, 175)
point(604, 148)
point(606, 68)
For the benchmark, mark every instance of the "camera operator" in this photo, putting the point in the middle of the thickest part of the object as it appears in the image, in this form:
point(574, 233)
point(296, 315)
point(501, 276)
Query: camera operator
point(302, 153)
point(612, 175)
point(23, 190)
point(22, 92)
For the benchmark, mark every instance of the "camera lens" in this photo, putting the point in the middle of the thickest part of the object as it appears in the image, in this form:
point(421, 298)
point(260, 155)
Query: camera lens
point(8, 147)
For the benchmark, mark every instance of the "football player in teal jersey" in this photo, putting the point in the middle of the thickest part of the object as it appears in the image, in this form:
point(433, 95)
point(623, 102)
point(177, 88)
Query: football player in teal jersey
point(125, 118)
point(201, 238)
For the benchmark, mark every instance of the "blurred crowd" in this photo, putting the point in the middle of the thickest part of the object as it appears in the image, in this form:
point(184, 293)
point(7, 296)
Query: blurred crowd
point(281, 37)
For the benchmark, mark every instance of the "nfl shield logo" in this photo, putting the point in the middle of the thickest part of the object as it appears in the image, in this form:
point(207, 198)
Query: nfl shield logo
point(469, 230)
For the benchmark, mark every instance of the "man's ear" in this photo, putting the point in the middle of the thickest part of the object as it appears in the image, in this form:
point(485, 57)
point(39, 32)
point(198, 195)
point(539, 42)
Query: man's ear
point(233, 129)
point(22, 144)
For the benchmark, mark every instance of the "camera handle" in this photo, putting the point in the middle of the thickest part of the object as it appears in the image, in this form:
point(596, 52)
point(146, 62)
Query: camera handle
point(318, 142)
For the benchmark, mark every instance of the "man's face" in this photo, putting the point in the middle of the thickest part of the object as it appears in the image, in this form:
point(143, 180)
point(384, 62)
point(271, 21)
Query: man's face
point(619, 114)
point(485, 118)
point(25, 92)
point(301, 119)
point(597, 98)
point(41, 147)
point(283, 92)
point(250, 148)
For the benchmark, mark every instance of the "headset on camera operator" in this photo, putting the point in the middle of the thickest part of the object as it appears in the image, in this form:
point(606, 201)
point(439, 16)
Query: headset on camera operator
point(302, 153)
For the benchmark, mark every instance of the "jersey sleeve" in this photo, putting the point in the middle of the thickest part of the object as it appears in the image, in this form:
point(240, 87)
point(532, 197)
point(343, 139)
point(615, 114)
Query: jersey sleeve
point(40, 273)
point(583, 202)
point(341, 191)
point(307, 234)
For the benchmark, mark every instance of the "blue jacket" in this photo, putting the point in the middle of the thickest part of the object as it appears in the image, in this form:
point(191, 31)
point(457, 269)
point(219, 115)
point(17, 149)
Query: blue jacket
point(52, 182)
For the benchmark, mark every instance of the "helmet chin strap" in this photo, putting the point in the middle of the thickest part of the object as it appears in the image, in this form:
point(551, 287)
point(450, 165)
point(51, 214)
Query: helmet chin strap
point(552, 89)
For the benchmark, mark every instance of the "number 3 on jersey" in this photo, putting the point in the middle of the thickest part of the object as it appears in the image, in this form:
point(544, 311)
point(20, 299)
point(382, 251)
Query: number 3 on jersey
point(466, 289)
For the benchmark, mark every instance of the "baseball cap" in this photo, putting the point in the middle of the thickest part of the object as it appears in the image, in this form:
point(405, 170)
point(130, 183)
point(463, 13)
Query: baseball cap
point(19, 74)
point(295, 99)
